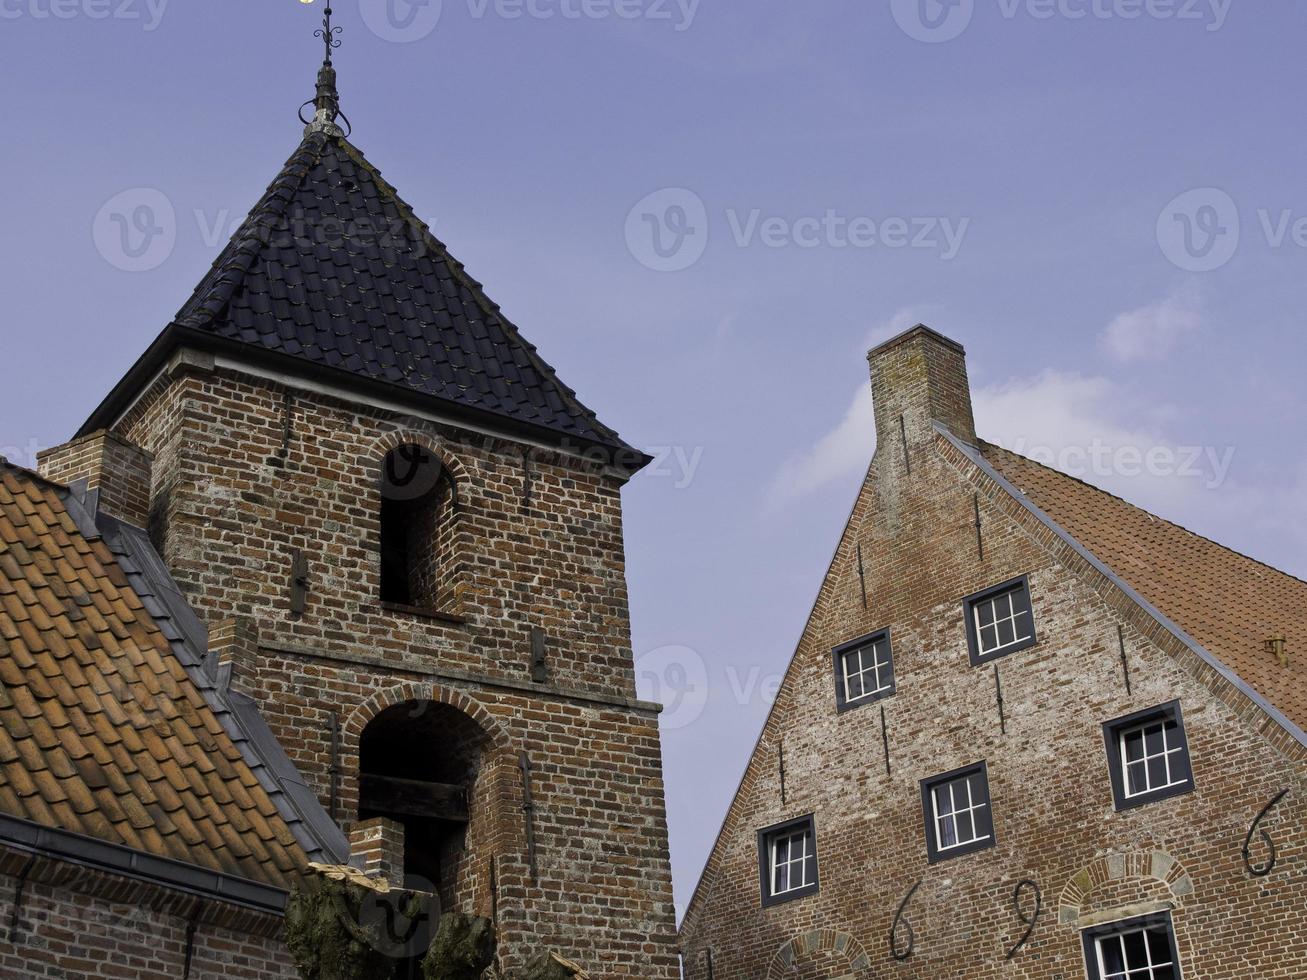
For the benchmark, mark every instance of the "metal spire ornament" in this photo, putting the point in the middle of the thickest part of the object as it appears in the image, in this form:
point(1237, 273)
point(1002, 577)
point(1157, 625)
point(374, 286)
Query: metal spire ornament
point(326, 103)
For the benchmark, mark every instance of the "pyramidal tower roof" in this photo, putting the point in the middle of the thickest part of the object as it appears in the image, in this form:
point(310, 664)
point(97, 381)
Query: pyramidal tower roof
point(332, 275)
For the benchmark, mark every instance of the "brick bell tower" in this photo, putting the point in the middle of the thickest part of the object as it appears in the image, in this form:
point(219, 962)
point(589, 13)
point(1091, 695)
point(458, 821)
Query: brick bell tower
point(418, 527)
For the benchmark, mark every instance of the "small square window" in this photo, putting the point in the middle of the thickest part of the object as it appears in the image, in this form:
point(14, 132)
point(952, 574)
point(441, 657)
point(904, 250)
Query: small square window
point(999, 621)
point(1149, 756)
point(957, 812)
point(1136, 949)
point(864, 671)
point(787, 861)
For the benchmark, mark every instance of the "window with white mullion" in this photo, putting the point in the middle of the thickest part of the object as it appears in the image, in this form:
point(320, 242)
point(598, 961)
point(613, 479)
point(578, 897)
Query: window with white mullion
point(1147, 753)
point(955, 820)
point(866, 671)
point(1138, 949)
point(958, 812)
point(787, 861)
point(1001, 624)
point(790, 863)
point(1148, 756)
point(999, 621)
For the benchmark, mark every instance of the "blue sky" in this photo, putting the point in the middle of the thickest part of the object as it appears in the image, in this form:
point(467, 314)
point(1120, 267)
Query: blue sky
point(704, 212)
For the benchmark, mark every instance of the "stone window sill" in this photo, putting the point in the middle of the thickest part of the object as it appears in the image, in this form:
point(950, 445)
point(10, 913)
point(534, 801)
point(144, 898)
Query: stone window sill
point(422, 612)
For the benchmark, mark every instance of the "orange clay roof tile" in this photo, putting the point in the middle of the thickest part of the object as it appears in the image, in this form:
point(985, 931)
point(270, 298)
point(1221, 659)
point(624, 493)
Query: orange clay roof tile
point(1229, 603)
point(102, 730)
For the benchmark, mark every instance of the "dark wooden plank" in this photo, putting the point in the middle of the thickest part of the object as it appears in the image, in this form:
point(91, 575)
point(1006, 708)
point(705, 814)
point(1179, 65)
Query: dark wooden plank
point(411, 797)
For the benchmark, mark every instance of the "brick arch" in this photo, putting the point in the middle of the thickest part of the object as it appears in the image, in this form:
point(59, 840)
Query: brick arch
point(816, 941)
point(412, 436)
point(1156, 865)
point(413, 691)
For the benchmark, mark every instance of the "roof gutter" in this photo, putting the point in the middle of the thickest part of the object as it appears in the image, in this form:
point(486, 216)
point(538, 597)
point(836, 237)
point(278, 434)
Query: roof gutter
point(175, 335)
point(1244, 688)
point(86, 852)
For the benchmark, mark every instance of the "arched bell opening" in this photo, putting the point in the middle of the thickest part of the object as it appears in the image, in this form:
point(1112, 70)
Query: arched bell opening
point(419, 764)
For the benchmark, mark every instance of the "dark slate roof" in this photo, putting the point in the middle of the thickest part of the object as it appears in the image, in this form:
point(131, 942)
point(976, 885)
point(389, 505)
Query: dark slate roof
point(334, 270)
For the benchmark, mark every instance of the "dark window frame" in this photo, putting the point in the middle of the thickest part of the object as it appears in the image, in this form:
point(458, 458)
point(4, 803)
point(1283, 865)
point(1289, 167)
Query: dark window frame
point(842, 702)
point(934, 852)
point(1171, 711)
point(766, 837)
point(1089, 939)
point(978, 658)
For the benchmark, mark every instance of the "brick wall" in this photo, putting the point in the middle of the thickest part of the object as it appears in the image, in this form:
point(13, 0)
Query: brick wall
point(234, 499)
point(76, 923)
point(1055, 821)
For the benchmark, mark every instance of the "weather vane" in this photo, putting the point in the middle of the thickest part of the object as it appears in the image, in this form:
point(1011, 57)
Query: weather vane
point(328, 33)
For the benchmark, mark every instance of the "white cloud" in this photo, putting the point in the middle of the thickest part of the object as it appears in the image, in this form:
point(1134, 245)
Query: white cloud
point(1153, 331)
point(839, 455)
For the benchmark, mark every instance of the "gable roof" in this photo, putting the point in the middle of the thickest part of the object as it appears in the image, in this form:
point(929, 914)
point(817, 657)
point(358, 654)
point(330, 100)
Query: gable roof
point(1227, 602)
point(104, 732)
point(332, 273)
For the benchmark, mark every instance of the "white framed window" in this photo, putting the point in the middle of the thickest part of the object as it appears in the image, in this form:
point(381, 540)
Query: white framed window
point(1136, 949)
point(864, 670)
point(787, 861)
point(1149, 756)
point(958, 814)
point(999, 621)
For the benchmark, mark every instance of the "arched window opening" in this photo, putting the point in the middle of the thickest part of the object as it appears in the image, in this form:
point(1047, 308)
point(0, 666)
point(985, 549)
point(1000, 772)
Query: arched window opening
point(418, 764)
point(418, 503)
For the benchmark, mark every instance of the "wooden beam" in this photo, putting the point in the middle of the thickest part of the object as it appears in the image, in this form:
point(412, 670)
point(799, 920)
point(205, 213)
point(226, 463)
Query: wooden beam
point(414, 798)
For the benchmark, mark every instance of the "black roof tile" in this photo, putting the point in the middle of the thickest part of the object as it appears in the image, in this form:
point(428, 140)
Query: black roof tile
point(333, 269)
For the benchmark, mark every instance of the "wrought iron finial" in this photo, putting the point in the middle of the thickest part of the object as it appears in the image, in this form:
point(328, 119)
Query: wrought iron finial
point(328, 33)
point(326, 103)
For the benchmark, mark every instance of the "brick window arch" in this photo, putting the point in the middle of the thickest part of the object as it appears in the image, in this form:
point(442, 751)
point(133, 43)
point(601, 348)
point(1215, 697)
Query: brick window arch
point(418, 516)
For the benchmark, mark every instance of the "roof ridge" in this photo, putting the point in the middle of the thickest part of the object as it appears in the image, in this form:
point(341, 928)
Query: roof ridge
point(985, 444)
point(488, 305)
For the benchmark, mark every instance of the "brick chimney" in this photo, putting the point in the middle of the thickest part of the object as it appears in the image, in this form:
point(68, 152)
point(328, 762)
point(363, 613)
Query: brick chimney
point(116, 473)
point(917, 379)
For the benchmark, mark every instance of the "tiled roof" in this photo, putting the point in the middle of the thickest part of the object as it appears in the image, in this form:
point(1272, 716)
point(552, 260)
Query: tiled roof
point(103, 732)
point(1227, 602)
point(332, 268)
